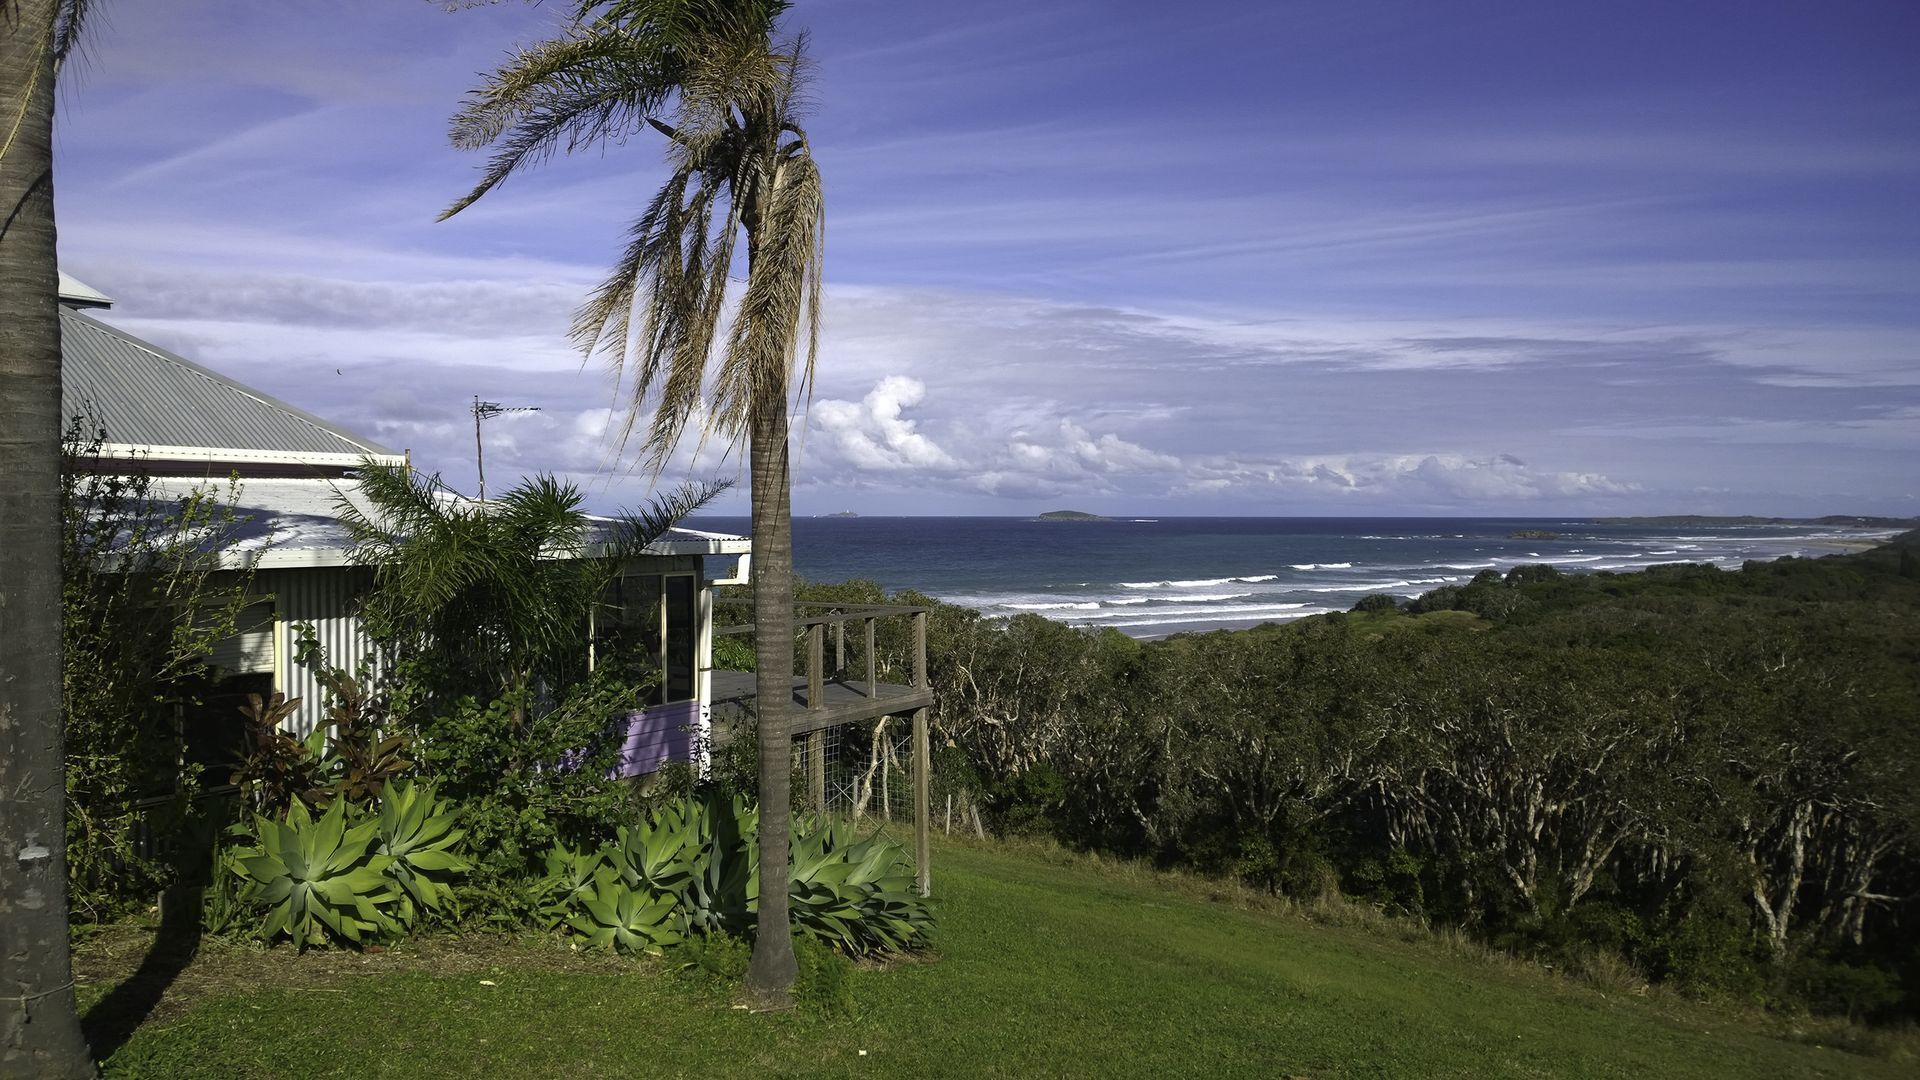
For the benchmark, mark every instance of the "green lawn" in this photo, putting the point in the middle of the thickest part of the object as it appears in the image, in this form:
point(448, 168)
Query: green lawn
point(1049, 965)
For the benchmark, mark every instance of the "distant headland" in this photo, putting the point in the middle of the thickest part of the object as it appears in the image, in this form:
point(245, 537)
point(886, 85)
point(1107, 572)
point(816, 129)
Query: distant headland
point(841, 514)
point(1071, 515)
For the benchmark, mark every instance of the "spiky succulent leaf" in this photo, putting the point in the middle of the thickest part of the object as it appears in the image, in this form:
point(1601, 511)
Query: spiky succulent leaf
point(417, 831)
point(315, 877)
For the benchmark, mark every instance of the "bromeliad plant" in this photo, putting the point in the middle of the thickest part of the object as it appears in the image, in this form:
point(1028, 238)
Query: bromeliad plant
point(318, 876)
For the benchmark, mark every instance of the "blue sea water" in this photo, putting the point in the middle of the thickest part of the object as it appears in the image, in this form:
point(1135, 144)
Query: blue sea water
point(1151, 577)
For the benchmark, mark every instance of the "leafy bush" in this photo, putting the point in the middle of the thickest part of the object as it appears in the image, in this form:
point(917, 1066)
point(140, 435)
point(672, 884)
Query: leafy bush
point(144, 598)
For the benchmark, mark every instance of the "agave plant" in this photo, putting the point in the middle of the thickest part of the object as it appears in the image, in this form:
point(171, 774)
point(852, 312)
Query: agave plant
point(658, 854)
point(417, 832)
point(722, 895)
point(318, 876)
point(616, 916)
point(856, 895)
point(569, 881)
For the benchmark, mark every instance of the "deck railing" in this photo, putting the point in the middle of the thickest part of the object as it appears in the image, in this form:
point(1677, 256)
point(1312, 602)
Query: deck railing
point(814, 620)
point(811, 632)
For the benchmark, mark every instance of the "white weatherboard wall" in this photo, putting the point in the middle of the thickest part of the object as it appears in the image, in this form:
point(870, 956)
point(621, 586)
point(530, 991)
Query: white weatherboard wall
point(324, 597)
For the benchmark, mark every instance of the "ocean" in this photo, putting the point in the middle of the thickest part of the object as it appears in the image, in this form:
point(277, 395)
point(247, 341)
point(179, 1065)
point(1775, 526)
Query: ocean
point(1150, 577)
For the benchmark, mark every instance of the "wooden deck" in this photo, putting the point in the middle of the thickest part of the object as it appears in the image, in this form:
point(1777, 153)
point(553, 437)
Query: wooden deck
point(841, 702)
point(820, 702)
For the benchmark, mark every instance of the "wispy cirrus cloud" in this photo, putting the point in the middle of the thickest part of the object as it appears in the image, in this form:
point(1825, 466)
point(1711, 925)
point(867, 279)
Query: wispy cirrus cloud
point(1352, 256)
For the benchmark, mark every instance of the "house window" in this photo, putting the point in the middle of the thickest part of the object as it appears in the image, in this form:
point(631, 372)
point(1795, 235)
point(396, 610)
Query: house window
point(649, 623)
point(680, 637)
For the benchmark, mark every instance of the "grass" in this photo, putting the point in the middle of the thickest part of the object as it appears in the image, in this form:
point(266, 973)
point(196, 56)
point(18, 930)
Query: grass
point(1050, 964)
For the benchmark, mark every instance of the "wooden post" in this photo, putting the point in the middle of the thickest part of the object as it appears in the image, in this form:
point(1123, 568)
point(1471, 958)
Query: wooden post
point(873, 680)
point(840, 645)
point(817, 771)
point(922, 812)
point(920, 650)
point(815, 661)
point(816, 739)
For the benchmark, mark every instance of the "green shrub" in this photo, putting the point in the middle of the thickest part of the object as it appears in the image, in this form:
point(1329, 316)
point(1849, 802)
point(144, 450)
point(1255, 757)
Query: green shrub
point(856, 895)
point(721, 956)
point(823, 981)
point(616, 915)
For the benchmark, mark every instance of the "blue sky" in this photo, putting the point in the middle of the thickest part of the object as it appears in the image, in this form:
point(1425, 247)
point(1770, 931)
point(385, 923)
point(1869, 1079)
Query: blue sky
point(1211, 258)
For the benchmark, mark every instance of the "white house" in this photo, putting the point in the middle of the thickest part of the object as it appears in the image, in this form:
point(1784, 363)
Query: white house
point(184, 425)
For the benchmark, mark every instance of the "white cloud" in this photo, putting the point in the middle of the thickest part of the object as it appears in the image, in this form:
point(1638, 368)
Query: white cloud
point(1430, 479)
point(872, 433)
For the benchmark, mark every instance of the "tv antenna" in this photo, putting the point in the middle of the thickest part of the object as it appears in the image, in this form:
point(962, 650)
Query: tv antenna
point(486, 410)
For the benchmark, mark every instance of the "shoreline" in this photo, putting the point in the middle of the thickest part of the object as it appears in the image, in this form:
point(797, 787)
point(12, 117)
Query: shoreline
point(1812, 548)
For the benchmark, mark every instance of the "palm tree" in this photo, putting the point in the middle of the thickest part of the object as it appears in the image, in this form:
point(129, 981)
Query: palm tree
point(39, 1030)
point(479, 584)
point(712, 77)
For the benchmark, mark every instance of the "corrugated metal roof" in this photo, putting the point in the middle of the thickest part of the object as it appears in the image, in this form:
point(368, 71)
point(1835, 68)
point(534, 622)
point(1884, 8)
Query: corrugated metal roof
point(145, 396)
point(293, 523)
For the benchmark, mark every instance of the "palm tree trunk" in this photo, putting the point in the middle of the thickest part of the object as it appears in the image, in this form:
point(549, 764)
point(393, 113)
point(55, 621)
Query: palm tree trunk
point(770, 973)
point(39, 1030)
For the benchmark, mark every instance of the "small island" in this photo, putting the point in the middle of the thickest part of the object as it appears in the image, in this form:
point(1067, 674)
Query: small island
point(1071, 515)
point(841, 514)
point(1532, 534)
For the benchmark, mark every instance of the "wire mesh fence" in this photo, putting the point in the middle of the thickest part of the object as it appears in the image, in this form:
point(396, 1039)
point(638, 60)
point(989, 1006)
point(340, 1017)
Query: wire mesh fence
point(865, 775)
point(861, 772)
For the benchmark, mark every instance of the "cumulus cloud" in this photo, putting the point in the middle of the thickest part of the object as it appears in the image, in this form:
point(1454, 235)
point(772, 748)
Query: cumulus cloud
point(1023, 453)
point(872, 433)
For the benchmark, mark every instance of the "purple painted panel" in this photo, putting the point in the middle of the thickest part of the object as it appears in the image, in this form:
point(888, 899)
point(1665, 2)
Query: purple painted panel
point(658, 735)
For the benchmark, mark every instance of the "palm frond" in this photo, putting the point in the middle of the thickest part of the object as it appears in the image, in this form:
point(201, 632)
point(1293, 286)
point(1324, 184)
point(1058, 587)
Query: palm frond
point(635, 530)
point(559, 95)
point(782, 293)
point(709, 75)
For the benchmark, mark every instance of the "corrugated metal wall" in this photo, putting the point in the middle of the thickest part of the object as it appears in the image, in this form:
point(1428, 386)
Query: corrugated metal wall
point(323, 596)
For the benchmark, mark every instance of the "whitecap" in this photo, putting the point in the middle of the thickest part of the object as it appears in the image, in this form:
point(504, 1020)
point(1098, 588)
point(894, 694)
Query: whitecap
point(1365, 586)
point(1323, 566)
point(1054, 607)
point(1196, 583)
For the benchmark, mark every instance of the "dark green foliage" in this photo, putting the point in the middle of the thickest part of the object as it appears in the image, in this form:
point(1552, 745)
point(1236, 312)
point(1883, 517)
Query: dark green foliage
point(1378, 604)
point(1713, 775)
point(469, 599)
point(824, 982)
point(144, 597)
point(276, 769)
point(317, 879)
point(691, 867)
point(363, 871)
